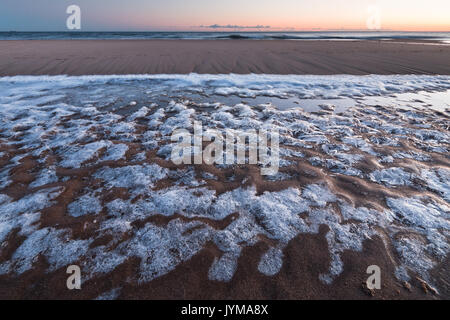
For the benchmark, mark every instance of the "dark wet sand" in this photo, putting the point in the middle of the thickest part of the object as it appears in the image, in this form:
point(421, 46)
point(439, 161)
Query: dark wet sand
point(86, 57)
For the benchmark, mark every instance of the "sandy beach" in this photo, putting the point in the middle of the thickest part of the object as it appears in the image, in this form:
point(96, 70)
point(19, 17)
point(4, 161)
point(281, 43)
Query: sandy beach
point(225, 158)
point(87, 174)
point(87, 57)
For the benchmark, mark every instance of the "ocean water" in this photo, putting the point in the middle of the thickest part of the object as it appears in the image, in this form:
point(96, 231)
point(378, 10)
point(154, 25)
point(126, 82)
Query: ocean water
point(330, 35)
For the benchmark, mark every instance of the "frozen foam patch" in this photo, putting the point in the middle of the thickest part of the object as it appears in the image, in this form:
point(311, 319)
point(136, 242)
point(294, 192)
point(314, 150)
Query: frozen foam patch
point(401, 273)
point(161, 250)
point(271, 262)
point(185, 177)
point(413, 212)
point(438, 180)
point(291, 153)
point(431, 221)
point(56, 246)
point(136, 178)
point(75, 156)
point(337, 167)
point(156, 118)
point(244, 110)
point(387, 159)
point(22, 214)
point(46, 176)
point(334, 149)
point(413, 257)
point(181, 120)
point(412, 155)
point(278, 213)
point(122, 129)
point(349, 159)
point(392, 177)
point(317, 139)
point(433, 135)
point(86, 204)
point(186, 201)
point(191, 202)
point(336, 268)
point(223, 269)
point(31, 203)
point(4, 198)
point(366, 215)
point(25, 222)
point(115, 152)
point(340, 237)
point(319, 195)
point(359, 143)
point(141, 113)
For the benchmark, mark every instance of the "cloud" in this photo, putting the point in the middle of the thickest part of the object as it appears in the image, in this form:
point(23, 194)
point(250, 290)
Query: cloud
point(229, 26)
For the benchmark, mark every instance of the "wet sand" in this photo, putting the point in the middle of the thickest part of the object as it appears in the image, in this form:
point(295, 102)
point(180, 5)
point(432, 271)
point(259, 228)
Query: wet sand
point(88, 57)
point(306, 256)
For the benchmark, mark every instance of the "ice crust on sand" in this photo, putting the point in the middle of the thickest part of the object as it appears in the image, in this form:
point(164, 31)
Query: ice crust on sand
point(134, 178)
point(271, 262)
point(86, 204)
point(392, 177)
point(115, 152)
point(57, 247)
point(46, 176)
point(74, 157)
point(438, 180)
point(165, 214)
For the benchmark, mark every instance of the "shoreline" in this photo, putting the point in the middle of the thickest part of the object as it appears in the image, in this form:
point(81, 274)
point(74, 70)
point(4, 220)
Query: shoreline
point(320, 57)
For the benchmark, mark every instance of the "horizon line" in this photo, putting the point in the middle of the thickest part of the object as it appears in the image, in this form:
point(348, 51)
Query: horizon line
point(243, 31)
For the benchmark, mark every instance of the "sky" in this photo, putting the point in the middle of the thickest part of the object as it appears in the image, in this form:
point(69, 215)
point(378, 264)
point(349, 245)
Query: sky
point(198, 15)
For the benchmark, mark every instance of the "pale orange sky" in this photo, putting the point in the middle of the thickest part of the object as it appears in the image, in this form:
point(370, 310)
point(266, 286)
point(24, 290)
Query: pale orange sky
point(408, 15)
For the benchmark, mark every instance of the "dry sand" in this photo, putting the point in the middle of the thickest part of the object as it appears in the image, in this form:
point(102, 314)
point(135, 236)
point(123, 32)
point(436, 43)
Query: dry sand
point(85, 57)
